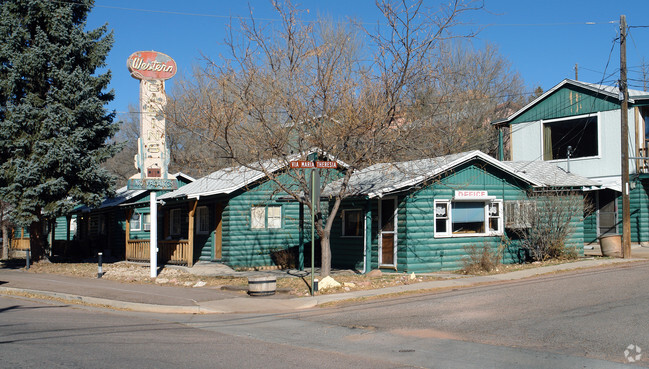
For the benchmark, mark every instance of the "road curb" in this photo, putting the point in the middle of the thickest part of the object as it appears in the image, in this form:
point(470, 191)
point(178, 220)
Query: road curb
point(124, 305)
point(256, 305)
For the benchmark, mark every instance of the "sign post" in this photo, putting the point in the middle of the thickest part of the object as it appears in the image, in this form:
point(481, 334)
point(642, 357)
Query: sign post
point(152, 68)
point(315, 188)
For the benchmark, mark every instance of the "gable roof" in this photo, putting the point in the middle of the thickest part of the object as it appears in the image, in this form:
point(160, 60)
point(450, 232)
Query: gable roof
point(381, 179)
point(228, 180)
point(551, 175)
point(598, 89)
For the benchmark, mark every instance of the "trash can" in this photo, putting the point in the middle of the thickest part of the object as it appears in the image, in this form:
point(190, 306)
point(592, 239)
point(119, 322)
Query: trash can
point(611, 245)
point(262, 286)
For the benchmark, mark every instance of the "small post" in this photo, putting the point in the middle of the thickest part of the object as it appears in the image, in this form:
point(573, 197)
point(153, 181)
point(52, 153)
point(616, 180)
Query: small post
point(315, 285)
point(27, 259)
point(99, 262)
point(312, 229)
point(568, 161)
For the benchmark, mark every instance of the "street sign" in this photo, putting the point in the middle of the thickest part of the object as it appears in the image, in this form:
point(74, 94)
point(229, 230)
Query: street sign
point(302, 164)
point(326, 164)
point(305, 164)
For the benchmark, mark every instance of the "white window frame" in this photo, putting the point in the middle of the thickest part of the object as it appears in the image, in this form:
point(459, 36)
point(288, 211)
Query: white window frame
point(258, 217)
point(175, 222)
point(134, 222)
point(266, 217)
point(274, 217)
point(202, 220)
point(146, 221)
point(448, 218)
point(598, 119)
point(344, 221)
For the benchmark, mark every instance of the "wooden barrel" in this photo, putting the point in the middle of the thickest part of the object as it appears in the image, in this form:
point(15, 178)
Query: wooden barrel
point(611, 245)
point(262, 286)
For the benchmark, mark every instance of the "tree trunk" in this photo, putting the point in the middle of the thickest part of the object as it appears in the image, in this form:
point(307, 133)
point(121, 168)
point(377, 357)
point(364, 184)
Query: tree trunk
point(37, 240)
point(5, 242)
point(325, 255)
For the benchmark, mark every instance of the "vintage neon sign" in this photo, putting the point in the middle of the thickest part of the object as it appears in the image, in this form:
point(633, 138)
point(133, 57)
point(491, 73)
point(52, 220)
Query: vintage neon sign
point(151, 65)
point(152, 68)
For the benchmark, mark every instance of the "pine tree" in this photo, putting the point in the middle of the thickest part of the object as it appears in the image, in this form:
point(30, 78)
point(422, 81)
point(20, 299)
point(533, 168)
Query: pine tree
point(53, 122)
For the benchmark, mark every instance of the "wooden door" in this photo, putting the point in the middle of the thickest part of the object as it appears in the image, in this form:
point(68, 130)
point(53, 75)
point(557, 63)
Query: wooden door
point(387, 226)
point(218, 232)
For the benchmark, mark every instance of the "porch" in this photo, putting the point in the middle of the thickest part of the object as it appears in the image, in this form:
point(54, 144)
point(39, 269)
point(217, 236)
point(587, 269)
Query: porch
point(169, 252)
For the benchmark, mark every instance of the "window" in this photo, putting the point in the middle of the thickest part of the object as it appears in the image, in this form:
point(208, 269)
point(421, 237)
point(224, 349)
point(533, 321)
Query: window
point(274, 217)
point(579, 136)
point(352, 223)
point(202, 220)
point(519, 214)
point(140, 222)
point(174, 222)
point(468, 218)
point(257, 217)
point(136, 222)
point(146, 222)
point(262, 217)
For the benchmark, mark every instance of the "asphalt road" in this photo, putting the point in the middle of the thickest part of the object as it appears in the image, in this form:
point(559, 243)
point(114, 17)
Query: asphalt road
point(584, 319)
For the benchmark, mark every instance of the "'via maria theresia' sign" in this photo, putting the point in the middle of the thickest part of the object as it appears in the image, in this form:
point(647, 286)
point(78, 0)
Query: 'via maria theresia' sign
point(152, 68)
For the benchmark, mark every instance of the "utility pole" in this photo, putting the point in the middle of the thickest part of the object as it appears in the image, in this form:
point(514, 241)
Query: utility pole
point(626, 214)
point(576, 72)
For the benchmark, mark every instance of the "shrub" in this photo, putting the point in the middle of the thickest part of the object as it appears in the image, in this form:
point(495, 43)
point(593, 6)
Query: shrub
point(482, 259)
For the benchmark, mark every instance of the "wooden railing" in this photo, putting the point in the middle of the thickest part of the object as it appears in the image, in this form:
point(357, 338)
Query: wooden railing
point(20, 244)
point(643, 165)
point(171, 252)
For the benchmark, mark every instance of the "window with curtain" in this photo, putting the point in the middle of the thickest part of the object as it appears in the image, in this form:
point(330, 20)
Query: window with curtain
point(576, 138)
point(265, 217)
point(468, 218)
point(136, 222)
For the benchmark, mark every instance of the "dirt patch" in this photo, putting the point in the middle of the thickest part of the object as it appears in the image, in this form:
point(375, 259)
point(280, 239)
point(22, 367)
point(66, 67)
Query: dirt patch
point(137, 273)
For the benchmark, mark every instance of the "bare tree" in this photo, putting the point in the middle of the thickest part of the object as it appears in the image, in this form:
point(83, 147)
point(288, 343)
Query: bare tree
point(121, 165)
point(551, 222)
point(291, 85)
point(465, 91)
point(189, 152)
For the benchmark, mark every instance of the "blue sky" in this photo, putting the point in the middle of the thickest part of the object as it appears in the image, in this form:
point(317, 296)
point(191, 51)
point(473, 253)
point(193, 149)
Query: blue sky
point(542, 39)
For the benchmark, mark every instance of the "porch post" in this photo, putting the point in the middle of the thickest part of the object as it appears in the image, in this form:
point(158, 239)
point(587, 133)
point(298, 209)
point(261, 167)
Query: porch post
point(367, 242)
point(190, 234)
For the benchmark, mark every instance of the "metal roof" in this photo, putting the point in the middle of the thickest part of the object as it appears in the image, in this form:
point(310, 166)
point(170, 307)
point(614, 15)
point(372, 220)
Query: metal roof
point(550, 175)
point(611, 91)
point(228, 180)
point(381, 179)
point(123, 194)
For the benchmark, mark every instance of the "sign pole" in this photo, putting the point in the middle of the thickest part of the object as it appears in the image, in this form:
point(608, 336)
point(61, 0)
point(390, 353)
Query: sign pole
point(315, 189)
point(312, 228)
point(153, 235)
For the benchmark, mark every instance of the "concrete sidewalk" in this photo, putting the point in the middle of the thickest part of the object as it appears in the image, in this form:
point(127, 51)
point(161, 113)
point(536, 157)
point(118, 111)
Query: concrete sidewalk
point(168, 299)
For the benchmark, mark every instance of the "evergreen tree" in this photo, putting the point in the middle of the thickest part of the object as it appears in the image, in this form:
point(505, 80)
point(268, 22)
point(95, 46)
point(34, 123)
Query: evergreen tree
point(53, 122)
